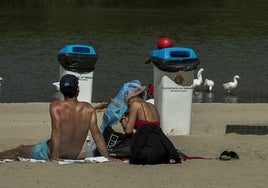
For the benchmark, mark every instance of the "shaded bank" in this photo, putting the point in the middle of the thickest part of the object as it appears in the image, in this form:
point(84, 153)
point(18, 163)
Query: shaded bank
point(132, 4)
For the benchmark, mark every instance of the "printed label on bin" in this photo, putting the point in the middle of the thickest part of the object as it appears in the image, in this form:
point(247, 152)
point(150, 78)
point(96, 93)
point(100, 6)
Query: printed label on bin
point(85, 77)
point(177, 89)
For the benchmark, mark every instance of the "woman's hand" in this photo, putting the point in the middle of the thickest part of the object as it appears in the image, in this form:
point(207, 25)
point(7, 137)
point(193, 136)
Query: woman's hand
point(123, 118)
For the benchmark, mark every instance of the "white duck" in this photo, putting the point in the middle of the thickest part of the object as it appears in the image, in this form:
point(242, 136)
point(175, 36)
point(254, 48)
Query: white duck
point(231, 85)
point(57, 85)
point(1, 79)
point(208, 84)
point(199, 80)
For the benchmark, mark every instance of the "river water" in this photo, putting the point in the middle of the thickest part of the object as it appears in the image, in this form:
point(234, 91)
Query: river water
point(229, 37)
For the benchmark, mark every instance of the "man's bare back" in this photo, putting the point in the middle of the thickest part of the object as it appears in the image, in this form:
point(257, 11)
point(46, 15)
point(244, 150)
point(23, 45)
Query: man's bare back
point(71, 121)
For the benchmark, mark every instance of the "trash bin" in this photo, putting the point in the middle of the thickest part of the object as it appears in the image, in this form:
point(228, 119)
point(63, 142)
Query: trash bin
point(79, 60)
point(173, 76)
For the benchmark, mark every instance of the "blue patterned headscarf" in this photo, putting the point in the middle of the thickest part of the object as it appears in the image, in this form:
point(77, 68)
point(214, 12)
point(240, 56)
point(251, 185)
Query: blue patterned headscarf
point(119, 106)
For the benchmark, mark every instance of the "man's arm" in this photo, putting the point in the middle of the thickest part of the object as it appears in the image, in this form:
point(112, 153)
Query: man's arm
point(55, 132)
point(97, 136)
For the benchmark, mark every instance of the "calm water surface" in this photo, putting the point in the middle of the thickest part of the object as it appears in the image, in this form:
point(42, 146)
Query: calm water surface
point(229, 38)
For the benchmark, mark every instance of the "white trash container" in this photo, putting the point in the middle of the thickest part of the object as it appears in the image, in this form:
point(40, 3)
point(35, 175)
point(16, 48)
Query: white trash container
point(173, 76)
point(85, 81)
point(79, 60)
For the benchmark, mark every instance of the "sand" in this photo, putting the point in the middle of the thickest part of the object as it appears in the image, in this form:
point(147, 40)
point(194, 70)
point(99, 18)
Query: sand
point(29, 123)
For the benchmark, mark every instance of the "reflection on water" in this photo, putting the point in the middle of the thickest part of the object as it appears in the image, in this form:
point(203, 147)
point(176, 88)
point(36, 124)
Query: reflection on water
point(203, 97)
point(209, 97)
point(197, 96)
point(230, 98)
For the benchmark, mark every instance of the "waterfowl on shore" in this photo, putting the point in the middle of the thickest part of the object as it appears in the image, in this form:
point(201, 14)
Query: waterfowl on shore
point(1, 79)
point(231, 85)
point(208, 84)
point(199, 80)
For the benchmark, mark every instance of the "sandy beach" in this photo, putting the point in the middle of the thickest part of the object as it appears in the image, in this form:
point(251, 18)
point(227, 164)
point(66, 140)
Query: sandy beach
point(28, 123)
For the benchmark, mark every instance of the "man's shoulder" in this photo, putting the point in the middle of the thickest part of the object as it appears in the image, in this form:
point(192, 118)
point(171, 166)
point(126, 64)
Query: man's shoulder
point(56, 103)
point(86, 105)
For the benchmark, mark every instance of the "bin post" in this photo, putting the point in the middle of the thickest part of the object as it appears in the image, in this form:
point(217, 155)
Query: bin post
point(174, 103)
point(79, 60)
point(173, 77)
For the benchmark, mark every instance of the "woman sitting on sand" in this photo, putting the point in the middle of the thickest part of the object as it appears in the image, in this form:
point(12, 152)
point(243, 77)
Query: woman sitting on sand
point(149, 144)
point(140, 112)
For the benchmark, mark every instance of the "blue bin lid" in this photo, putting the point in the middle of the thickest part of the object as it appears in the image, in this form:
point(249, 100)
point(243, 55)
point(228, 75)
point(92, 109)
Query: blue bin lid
point(174, 54)
point(78, 58)
point(77, 49)
point(174, 59)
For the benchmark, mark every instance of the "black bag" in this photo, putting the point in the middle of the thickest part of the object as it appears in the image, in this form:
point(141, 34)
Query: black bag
point(151, 146)
point(118, 144)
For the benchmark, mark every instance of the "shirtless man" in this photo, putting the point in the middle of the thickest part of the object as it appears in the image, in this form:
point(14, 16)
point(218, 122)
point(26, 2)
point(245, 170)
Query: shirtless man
point(70, 120)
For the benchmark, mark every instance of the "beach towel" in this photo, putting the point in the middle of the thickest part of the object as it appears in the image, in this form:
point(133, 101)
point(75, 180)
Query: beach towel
point(99, 159)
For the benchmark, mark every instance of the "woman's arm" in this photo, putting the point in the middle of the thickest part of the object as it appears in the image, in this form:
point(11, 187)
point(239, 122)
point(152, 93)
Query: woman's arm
point(128, 123)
